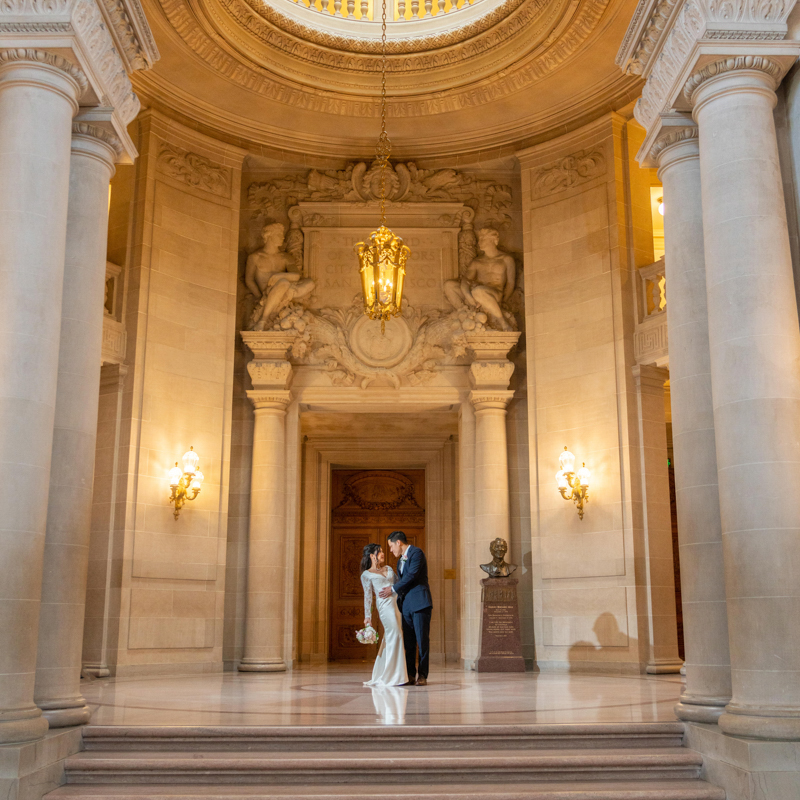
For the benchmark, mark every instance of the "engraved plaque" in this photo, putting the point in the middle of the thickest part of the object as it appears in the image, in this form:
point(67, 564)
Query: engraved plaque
point(500, 644)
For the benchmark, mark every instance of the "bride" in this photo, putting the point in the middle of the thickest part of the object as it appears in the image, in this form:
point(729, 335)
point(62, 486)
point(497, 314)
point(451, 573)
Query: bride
point(390, 665)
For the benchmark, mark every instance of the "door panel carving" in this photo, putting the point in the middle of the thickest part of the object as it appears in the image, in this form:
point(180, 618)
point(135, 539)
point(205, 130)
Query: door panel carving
point(367, 505)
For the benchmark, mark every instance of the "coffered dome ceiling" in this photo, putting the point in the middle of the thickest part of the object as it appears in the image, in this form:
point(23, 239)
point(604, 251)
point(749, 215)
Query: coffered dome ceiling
point(278, 78)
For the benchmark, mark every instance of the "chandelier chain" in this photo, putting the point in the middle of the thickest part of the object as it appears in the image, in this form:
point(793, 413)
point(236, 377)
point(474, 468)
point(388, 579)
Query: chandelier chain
point(384, 148)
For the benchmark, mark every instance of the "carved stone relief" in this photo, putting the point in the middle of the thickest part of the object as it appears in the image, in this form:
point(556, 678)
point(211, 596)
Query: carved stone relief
point(194, 170)
point(406, 183)
point(580, 167)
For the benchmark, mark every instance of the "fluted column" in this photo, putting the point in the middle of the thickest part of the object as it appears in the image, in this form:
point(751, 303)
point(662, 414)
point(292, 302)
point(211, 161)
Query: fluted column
point(755, 352)
point(69, 508)
point(705, 616)
point(266, 570)
point(39, 95)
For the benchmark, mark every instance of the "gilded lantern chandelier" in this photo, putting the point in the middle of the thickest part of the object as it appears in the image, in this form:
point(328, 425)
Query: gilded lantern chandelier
point(383, 258)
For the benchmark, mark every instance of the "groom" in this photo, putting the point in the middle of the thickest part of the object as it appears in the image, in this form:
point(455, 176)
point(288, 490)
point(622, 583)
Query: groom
point(416, 606)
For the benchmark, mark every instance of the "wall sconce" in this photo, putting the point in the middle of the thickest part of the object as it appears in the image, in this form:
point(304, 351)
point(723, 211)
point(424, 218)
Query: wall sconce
point(183, 481)
point(573, 486)
point(660, 202)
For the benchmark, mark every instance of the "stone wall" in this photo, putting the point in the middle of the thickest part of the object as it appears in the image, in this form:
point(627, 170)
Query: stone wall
point(586, 222)
point(180, 318)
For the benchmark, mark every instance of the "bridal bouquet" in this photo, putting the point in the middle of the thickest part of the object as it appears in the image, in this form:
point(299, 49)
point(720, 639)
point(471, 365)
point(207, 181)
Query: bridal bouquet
point(367, 635)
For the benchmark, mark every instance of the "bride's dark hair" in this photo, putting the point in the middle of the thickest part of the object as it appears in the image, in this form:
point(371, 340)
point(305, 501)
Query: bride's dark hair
point(369, 550)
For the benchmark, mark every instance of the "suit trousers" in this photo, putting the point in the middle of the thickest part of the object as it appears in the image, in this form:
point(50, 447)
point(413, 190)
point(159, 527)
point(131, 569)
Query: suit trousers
point(416, 633)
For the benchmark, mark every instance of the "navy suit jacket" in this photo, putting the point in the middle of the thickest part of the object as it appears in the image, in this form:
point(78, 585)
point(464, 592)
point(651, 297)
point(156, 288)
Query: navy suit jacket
point(412, 590)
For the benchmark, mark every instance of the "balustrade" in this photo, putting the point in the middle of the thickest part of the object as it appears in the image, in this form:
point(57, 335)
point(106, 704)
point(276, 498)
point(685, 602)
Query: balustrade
point(650, 338)
point(399, 10)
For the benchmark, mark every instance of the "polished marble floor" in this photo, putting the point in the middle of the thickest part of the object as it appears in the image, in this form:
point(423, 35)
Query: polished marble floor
point(335, 695)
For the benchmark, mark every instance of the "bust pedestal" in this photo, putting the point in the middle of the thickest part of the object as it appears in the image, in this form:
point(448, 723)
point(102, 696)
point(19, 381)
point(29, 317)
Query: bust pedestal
point(500, 643)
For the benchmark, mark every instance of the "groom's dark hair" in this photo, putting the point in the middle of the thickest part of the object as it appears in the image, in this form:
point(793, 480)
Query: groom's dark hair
point(398, 536)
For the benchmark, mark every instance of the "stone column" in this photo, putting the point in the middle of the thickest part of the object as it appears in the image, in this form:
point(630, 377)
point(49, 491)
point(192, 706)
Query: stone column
point(39, 95)
point(271, 374)
point(705, 616)
point(490, 375)
point(69, 508)
point(491, 468)
point(658, 569)
point(755, 352)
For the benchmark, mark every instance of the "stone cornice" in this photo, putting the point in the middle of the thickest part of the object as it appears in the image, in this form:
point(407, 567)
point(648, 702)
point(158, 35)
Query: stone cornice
point(131, 33)
point(758, 63)
point(654, 21)
point(43, 57)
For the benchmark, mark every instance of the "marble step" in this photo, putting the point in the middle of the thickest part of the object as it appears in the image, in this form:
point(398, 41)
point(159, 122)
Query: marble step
point(380, 737)
point(572, 790)
point(394, 766)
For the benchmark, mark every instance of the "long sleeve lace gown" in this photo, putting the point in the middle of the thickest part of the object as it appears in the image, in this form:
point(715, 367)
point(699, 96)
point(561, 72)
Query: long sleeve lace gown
point(390, 665)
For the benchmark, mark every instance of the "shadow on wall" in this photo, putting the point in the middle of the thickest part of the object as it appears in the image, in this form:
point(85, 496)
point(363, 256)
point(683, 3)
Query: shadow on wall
point(586, 656)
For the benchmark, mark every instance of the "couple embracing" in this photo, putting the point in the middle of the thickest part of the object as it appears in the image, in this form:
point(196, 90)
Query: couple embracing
point(404, 606)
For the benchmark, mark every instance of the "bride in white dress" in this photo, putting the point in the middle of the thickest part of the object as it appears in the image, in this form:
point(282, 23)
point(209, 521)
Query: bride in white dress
point(390, 665)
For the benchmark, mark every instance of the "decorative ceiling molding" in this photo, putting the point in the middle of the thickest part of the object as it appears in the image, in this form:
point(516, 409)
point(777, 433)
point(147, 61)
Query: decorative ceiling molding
point(131, 33)
point(362, 44)
point(504, 83)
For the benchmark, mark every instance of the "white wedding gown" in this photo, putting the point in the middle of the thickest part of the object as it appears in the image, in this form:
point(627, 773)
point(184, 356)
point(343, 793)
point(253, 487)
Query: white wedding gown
point(390, 665)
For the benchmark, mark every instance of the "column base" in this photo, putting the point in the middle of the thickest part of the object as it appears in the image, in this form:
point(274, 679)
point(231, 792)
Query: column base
point(258, 665)
point(92, 671)
point(665, 667)
point(22, 726)
point(750, 724)
point(700, 709)
point(65, 716)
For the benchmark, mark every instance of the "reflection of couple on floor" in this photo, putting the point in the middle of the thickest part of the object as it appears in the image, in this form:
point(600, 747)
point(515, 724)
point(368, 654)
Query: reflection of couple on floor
point(404, 606)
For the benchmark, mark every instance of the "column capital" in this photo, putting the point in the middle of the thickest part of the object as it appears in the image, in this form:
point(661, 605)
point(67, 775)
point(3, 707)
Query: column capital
point(674, 146)
point(269, 399)
point(650, 378)
point(45, 62)
point(496, 399)
point(770, 73)
point(95, 142)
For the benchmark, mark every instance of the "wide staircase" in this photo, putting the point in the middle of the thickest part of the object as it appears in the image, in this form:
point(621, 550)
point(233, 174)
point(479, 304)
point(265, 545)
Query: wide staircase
point(614, 761)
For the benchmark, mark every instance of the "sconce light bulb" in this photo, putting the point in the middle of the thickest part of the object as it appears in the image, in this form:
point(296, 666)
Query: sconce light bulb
point(175, 475)
point(661, 206)
point(190, 461)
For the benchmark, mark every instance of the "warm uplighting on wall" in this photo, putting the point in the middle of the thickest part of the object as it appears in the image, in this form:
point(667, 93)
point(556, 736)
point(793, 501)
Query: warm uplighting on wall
point(660, 202)
point(186, 480)
point(573, 485)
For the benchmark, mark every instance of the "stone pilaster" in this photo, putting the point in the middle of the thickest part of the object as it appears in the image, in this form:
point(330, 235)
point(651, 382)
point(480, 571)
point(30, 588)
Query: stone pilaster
point(656, 567)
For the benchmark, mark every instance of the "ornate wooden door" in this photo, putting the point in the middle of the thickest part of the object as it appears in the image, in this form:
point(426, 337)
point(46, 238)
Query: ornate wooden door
point(367, 505)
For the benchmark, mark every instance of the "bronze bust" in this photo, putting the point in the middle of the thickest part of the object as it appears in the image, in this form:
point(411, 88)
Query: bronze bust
point(497, 567)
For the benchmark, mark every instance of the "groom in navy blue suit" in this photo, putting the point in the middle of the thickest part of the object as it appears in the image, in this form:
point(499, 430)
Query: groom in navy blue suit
point(415, 603)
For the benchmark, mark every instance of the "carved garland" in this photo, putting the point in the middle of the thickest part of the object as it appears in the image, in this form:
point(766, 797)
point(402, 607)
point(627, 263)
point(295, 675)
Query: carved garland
point(580, 167)
point(194, 170)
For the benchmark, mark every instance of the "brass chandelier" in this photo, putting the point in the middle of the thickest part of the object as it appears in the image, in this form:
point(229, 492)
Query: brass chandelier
point(383, 257)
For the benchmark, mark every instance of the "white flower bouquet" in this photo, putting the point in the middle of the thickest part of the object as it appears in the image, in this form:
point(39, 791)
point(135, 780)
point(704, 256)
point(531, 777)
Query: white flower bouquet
point(367, 635)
